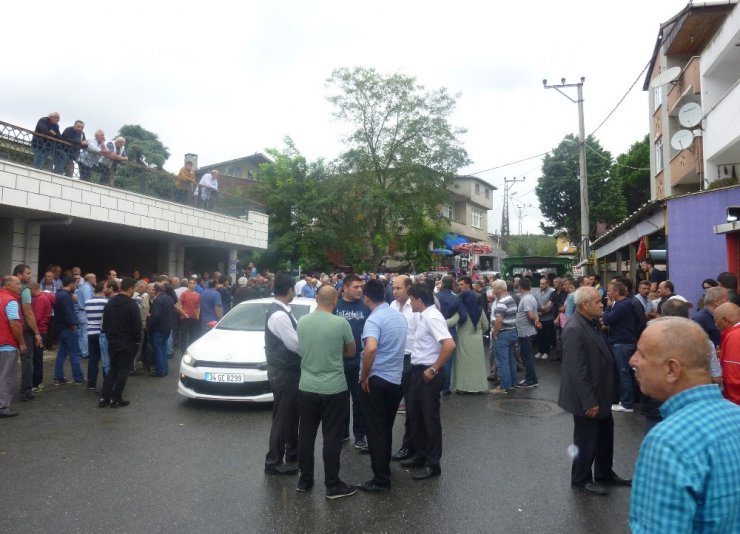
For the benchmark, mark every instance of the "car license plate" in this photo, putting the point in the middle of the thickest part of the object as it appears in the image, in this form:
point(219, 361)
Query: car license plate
point(224, 377)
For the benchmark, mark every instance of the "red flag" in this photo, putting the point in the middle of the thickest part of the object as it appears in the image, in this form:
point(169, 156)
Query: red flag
point(641, 250)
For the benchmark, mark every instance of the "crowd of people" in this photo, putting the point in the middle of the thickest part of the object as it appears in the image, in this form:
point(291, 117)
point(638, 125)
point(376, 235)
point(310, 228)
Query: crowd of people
point(380, 344)
point(63, 150)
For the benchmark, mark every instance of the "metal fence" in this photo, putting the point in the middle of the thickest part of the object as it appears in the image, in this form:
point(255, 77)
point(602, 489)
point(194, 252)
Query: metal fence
point(23, 146)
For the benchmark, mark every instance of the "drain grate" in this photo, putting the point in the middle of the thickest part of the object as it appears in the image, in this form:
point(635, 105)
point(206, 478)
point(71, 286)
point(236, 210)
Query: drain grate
point(526, 407)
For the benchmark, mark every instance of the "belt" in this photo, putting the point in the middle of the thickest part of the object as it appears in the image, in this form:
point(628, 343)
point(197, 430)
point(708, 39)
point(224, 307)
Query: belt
point(421, 366)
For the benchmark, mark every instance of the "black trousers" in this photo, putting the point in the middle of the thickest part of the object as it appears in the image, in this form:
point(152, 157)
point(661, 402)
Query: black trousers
point(329, 411)
point(594, 439)
point(38, 361)
point(379, 407)
point(422, 408)
point(408, 442)
point(545, 339)
point(284, 431)
point(352, 375)
point(190, 331)
point(121, 363)
point(93, 362)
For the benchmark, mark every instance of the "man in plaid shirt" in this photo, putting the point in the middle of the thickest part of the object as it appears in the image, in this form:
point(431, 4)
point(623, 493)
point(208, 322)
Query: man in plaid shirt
point(687, 477)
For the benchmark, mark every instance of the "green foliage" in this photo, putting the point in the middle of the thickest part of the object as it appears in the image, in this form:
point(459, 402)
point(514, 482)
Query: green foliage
point(144, 146)
point(633, 172)
point(723, 182)
point(401, 152)
point(532, 245)
point(416, 243)
point(559, 193)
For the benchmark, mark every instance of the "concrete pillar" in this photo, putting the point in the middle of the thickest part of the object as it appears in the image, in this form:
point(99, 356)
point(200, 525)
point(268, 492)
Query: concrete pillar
point(619, 263)
point(19, 243)
point(633, 264)
point(180, 264)
point(232, 264)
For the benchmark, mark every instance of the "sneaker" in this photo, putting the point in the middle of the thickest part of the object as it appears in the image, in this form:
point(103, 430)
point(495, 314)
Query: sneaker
point(345, 439)
point(303, 485)
point(523, 384)
point(38, 389)
point(62, 381)
point(361, 443)
point(620, 408)
point(538, 355)
point(544, 356)
point(402, 407)
point(498, 391)
point(81, 383)
point(340, 490)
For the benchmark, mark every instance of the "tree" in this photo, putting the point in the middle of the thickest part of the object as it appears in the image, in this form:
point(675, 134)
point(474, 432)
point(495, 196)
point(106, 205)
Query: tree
point(402, 151)
point(558, 189)
point(289, 190)
point(632, 169)
point(144, 146)
point(145, 151)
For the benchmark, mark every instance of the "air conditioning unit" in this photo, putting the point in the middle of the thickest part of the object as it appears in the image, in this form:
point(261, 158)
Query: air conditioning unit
point(726, 171)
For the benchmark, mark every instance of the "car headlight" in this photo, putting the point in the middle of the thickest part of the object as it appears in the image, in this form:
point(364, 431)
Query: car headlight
point(189, 360)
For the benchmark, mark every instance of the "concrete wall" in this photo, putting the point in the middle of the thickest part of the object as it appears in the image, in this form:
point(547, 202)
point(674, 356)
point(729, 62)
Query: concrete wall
point(24, 187)
point(695, 252)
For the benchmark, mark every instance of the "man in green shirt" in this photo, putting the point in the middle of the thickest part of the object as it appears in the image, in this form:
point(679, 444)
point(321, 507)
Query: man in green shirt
point(324, 339)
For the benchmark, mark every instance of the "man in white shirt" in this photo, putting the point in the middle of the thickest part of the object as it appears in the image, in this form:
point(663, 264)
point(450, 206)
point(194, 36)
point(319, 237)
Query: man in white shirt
point(402, 304)
point(433, 346)
point(208, 189)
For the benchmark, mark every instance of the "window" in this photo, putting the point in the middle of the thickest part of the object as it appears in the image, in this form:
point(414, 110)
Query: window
point(477, 218)
point(488, 193)
point(657, 97)
point(659, 155)
point(448, 212)
point(477, 189)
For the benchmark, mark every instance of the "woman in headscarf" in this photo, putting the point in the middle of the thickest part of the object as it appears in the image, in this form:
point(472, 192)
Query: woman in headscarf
point(469, 372)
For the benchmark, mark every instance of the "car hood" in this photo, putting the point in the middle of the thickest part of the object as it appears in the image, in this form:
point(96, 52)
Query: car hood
point(219, 345)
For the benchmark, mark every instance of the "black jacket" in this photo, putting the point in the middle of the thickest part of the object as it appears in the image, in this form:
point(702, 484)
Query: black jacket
point(74, 138)
point(162, 314)
point(589, 374)
point(122, 320)
point(47, 128)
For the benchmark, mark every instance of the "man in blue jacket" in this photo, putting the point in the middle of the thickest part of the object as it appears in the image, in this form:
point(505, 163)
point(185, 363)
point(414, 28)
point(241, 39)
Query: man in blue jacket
point(620, 317)
point(162, 321)
point(65, 325)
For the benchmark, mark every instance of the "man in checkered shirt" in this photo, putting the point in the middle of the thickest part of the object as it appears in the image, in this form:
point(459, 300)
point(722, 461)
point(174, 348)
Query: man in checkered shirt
point(687, 477)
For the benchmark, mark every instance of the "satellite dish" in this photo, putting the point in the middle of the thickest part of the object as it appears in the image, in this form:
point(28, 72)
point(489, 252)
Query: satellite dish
point(689, 115)
point(667, 76)
point(682, 139)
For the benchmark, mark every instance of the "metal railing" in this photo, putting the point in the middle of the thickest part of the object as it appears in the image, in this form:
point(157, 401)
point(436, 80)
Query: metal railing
point(23, 146)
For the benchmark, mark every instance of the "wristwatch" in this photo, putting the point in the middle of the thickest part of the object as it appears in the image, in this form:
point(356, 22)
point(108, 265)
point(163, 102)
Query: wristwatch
point(432, 369)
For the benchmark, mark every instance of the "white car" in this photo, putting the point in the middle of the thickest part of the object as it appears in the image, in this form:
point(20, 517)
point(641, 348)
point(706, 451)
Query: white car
point(228, 362)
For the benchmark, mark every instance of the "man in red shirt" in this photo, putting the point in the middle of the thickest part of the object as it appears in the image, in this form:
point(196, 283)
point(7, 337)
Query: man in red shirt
point(11, 340)
point(727, 317)
point(188, 306)
point(41, 305)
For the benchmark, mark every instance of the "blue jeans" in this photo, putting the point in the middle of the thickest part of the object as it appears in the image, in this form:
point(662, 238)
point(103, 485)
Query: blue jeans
point(50, 150)
point(104, 354)
point(505, 359)
point(68, 346)
point(82, 333)
point(622, 354)
point(525, 350)
point(159, 348)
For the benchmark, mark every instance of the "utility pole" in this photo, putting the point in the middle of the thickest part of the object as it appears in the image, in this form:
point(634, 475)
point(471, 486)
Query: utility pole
point(585, 231)
point(508, 184)
point(521, 207)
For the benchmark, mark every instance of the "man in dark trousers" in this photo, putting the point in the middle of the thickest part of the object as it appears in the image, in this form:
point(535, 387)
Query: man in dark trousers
point(352, 307)
point(65, 326)
point(122, 327)
point(589, 386)
point(384, 341)
point(284, 374)
point(162, 321)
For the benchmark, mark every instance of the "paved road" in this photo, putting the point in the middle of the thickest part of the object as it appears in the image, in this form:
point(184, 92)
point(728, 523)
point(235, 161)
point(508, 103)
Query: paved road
point(165, 464)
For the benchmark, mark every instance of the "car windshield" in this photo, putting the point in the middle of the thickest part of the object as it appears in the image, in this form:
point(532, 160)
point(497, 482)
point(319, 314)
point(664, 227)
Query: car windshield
point(250, 317)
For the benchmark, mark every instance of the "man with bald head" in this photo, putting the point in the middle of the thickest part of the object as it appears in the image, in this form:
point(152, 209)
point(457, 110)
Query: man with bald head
point(324, 339)
point(687, 474)
point(727, 317)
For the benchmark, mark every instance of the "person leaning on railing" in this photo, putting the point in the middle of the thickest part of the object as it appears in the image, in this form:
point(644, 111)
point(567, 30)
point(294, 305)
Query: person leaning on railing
point(185, 183)
point(93, 159)
point(44, 146)
point(75, 136)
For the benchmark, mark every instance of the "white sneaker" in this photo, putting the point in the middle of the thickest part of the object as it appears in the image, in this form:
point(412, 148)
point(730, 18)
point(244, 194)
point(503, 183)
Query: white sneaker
point(620, 408)
point(538, 355)
point(544, 356)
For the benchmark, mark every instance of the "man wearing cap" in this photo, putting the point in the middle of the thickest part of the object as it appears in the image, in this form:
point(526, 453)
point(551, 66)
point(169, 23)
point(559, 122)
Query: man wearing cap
point(242, 292)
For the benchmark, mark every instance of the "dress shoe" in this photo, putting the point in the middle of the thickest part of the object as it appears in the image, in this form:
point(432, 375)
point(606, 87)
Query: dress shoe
point(120, 403)
point(28, 397)
point(281, 469)
point(427, 472)
point(9, 413)
point(402, 454)
point(614, 480)
point(303, 485)
point(592, 488)
point(414, 461)
point(371, 487)
point(102, 403)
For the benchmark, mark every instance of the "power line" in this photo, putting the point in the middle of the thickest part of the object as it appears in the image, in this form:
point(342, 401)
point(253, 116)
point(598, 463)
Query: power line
point(639, 76)
point(614, 162)
point(508, 164)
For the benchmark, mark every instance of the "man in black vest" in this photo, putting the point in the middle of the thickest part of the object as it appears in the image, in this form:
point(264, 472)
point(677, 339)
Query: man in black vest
point(284, 373)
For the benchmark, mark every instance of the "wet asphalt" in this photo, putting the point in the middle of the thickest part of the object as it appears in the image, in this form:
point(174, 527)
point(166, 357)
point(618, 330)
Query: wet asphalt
point(167, 464)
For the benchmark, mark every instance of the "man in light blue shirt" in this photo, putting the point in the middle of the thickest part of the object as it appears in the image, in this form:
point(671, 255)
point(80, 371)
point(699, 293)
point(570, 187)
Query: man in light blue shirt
point(687, 477)
point(84, 292)
point(384, 341)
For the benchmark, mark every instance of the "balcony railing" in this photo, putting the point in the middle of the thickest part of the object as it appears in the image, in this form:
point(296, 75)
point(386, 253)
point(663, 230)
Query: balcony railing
point(17, 145)
point(688, 87)
point(686, 165)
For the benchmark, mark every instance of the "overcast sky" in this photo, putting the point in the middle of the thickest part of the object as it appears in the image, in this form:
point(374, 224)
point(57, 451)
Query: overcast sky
point(225, 79)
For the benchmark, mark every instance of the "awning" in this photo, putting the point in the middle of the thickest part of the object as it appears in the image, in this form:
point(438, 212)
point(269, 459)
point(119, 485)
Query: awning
point(473, 248)
point(452, 240)
point(632, 235)
point(442, 252)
